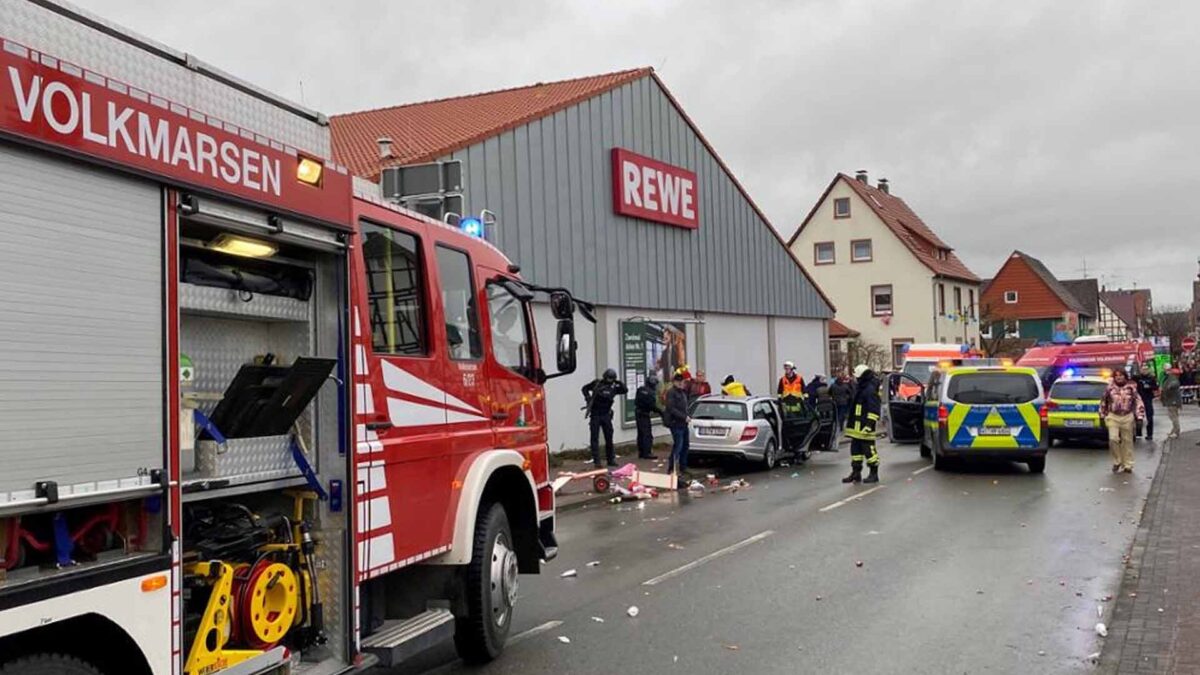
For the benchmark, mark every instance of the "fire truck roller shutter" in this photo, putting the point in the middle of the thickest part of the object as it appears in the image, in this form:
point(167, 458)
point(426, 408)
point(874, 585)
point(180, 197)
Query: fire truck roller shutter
point(505, 465)
point(81, 287)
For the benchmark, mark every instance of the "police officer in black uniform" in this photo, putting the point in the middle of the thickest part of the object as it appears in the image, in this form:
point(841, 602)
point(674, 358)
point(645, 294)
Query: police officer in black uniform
point(600, 396)
point(645, 404)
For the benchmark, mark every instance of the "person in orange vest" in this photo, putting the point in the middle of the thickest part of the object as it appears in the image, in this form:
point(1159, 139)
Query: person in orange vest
point(792, 383)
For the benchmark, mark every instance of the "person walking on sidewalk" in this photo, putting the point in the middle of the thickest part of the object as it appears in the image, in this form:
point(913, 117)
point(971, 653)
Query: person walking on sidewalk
point(1147, 386)
point(675, 417)
point(645, 404)
point(861, 428)
point(600, 396)
point(1172, 399)
point(1120, 407)
point(842, 391)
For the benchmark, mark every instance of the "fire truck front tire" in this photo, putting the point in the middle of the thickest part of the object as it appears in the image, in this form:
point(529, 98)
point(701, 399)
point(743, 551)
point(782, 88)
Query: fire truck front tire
point(491, 588)
point(47, 664)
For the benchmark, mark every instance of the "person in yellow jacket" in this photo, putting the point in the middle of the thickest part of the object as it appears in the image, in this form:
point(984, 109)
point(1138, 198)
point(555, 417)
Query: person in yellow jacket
point(792, 382)
point(864, 415)
point(731, 387)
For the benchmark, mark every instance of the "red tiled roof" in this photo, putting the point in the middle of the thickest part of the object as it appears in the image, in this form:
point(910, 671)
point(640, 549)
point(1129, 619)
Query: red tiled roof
point(837, 329)
point(905, 224)
point(422, 132)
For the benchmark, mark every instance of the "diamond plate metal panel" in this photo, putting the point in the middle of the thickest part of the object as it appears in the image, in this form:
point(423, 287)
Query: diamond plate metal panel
point(218, 347)
point(125, 56)
point(248, 459)
point(224, 302)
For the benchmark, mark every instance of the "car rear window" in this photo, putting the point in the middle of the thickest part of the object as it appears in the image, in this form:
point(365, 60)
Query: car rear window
point(719, 410)
point(1078, 391)
point(992, 388)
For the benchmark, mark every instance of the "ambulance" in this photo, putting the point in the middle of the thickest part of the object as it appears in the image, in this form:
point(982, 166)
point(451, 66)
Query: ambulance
point(253, 418)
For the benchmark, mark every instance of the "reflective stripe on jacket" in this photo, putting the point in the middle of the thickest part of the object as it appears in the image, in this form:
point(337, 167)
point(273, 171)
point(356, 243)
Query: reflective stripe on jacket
point(864, 413)
point(793, 387)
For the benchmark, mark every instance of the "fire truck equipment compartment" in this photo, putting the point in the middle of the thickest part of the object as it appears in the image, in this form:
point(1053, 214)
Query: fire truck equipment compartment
point(267, 400)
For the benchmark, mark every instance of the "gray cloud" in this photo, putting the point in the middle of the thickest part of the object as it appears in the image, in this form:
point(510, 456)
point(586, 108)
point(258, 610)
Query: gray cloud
point(1063, 129)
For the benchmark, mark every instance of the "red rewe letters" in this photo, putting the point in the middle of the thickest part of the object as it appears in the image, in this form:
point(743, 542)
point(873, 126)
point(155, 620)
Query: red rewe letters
point(649, 189)
point(53, 102)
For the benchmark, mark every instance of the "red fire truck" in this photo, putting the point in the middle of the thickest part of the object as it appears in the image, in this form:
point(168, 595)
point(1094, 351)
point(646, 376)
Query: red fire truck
point(251, 421)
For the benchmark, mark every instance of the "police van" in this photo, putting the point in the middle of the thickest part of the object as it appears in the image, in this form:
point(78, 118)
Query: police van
point(969, 412)
point(1074, 407)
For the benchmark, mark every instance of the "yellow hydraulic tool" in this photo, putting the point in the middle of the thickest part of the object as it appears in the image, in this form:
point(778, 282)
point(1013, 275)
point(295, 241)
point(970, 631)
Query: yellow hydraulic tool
point(208, 653)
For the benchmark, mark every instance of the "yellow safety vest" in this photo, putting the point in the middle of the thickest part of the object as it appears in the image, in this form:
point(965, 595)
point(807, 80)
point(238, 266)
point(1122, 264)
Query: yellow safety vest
point(792, 387)
point(734, 389)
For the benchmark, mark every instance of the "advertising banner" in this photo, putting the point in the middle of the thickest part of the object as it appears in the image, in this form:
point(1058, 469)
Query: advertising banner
point(647, 347)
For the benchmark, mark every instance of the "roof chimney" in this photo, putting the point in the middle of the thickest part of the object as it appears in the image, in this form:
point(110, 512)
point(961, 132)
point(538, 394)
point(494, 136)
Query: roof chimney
point(883, 186)
point(385, 147)
point(861, 176)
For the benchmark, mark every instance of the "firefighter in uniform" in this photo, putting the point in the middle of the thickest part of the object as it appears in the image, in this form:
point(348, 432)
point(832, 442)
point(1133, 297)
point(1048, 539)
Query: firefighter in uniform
point(792, 383)
point(864, 414)
point(600, 396)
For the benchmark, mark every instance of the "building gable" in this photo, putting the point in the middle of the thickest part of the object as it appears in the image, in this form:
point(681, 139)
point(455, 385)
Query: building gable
point(549, 181)
point(1036, 296)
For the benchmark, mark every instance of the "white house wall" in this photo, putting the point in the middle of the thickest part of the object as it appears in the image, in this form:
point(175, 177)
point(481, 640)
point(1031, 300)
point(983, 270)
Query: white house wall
point(802, 341)
point(736, 345)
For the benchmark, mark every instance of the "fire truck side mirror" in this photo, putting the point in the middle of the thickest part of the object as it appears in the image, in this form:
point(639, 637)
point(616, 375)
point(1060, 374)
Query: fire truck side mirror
point(566, 346)
point(561, 305)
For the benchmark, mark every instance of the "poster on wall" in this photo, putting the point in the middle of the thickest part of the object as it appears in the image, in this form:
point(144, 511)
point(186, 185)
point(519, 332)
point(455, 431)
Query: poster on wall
point(647, 347)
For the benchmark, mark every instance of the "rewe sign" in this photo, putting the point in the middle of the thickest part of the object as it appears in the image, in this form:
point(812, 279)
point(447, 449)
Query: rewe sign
point(649, 189)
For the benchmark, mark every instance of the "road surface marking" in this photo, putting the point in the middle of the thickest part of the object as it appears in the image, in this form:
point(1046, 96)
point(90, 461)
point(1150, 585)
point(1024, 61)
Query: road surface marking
point(536, 630)
point(708, 558)
point(847, 500)
point(922, 470)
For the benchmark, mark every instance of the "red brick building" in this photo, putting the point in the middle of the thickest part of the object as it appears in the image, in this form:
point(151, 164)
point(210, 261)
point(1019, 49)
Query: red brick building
point(1025, 300)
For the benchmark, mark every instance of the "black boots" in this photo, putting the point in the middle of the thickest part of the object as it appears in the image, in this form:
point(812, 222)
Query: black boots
point(855, 474)
point(873, 476)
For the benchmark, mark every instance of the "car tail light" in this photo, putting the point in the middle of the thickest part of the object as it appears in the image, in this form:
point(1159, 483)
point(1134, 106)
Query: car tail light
point(748, 434)
point(943, 416)
point(1045, 411)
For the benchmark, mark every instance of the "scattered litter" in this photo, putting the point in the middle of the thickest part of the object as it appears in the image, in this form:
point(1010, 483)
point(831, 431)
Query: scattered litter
point(1101, 630)
point(1029, 582)
point(979, 591)
point(564, 639)
point(1061, 582)
point(732, 648)
point(1041, 652)
point(1022, 524)
point(569, 573)
point(676, 659)
point(1093, 656)
point(626, 471)
point(1133, 595)
point(633, 610)
point(695, 486)
point(791, 567)
point(872, 533)
point(785, 464)
point(597, 619)
point(1108, 489)
point(1079, 594)
point(795, 475)
point(858, 563)
point(1107, 598)
point(1099, 611)
point(1160, 609)
point(675, 546)
point(818, 598)
point(995, 482)
point(594, 563)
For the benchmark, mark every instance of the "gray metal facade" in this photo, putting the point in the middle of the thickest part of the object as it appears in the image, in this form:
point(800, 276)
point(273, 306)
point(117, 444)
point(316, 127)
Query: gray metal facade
point(550, 183)
point(81, 314)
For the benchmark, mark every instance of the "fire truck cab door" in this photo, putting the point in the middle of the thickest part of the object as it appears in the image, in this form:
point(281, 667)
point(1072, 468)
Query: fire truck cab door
point(513, 369)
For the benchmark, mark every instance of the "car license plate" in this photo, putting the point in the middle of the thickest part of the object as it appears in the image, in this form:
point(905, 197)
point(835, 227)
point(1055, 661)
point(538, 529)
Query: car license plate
point(1080, 423)
point(711, 431)
point(995, 431)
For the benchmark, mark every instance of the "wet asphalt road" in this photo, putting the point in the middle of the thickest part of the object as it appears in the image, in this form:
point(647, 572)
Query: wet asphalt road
point(981, 569)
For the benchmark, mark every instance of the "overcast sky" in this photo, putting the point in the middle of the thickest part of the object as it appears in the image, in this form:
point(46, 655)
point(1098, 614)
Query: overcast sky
point(1068, 130)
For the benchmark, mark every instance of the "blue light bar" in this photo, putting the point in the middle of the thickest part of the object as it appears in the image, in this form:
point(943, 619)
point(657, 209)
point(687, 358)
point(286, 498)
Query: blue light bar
point(472, 226)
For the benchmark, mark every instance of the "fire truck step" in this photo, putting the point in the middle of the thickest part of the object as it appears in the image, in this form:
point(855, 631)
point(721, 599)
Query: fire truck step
point(397, 640)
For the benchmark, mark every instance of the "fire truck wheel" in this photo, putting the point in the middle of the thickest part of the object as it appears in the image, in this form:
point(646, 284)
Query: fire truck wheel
point(491, 589)
point(47, 664)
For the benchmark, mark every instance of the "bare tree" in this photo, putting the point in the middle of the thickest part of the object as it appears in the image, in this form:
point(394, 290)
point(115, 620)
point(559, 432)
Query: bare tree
point(1001, 343)
point(875, 356)
point(1172, 322)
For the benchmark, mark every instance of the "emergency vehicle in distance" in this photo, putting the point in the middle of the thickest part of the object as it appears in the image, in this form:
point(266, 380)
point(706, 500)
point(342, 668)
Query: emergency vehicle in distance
point(1087, 355)
point(921, 359)
point(251, 421)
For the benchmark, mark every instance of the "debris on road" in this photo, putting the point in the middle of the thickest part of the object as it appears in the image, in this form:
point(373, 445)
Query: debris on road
point(979, 591)
point(594, 563)
point(1101, 630)
point(564, 639)
point(858, 563)
point(633, 610)
point(568, 573)
point(675, 546)
point(597, 619)
point(795, 475)
point(1041, 652)
point(818, 598)
point(732, 648)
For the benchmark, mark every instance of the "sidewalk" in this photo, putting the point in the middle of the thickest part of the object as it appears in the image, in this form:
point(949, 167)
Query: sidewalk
point(1156, 622)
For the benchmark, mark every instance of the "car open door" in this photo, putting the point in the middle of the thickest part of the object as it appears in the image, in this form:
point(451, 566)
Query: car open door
point(906, 413)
